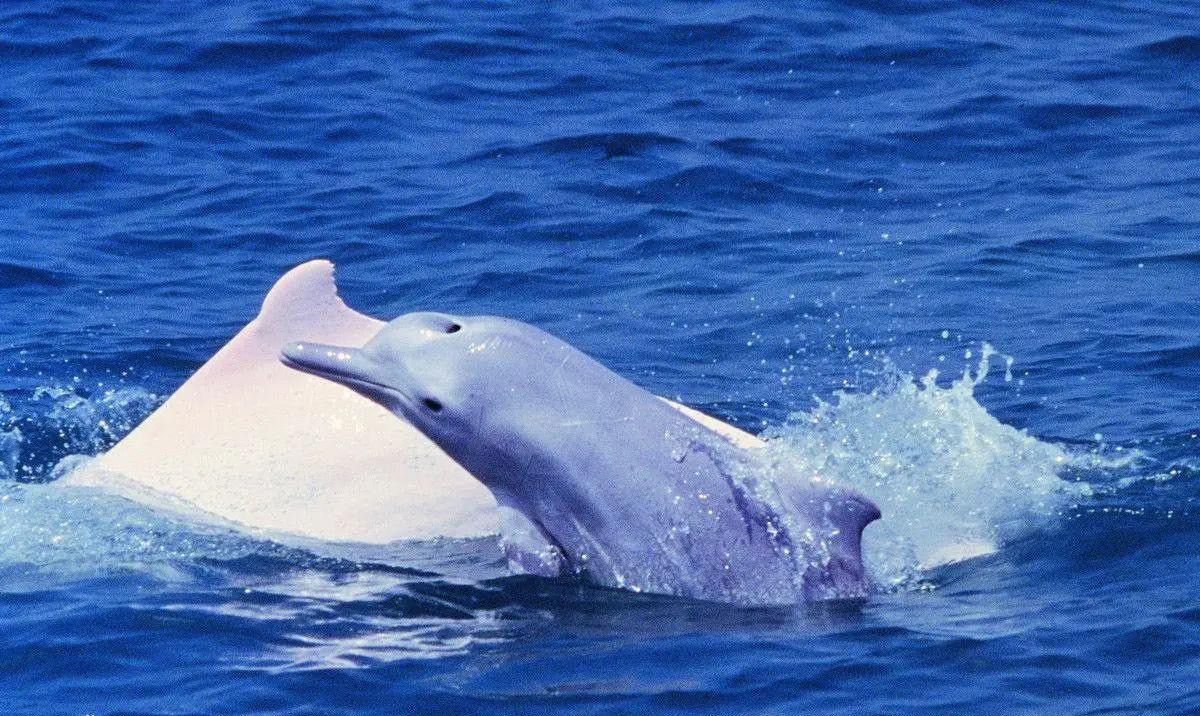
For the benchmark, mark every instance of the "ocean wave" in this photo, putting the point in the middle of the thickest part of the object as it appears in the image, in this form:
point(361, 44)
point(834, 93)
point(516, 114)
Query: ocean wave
point(604, 145)
point(1179, 47)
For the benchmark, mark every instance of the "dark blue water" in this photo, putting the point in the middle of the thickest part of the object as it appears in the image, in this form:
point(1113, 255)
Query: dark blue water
point(786, 215)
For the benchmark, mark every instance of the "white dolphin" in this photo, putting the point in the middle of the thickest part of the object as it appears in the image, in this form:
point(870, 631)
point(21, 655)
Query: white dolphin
point(248, 441)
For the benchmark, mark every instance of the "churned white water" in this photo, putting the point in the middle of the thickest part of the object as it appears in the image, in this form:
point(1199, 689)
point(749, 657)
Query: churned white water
point(951, 480)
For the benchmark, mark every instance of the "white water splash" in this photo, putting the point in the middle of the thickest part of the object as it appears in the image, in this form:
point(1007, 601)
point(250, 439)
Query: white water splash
point(89, 424)
point(10, 444)
point(951, 480)
point(10, 452)
point(56, 425)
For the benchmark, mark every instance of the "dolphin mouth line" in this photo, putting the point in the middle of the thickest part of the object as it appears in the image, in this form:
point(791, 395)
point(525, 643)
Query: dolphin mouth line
point(343, 378)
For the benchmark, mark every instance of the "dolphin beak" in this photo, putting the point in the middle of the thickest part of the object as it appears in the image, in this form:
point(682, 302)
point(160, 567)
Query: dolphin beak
point(346, 366)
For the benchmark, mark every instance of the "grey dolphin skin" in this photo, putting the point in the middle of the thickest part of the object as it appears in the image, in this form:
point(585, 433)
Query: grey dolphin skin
point(598, 478)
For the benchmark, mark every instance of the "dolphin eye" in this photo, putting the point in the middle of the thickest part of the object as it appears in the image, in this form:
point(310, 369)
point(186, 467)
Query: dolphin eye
point(432, 404)
point(453, 328)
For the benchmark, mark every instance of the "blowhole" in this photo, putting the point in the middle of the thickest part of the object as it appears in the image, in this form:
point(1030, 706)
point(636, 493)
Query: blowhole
point(453, 328)
point(432, 404)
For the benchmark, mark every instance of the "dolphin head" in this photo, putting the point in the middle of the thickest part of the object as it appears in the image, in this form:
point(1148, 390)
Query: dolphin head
point(453, 378)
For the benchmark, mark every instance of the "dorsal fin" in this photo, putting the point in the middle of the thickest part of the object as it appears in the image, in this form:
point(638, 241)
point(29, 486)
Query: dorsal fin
point(851, 512)
point(842, 514)
point(845, 512)
point(310, 287)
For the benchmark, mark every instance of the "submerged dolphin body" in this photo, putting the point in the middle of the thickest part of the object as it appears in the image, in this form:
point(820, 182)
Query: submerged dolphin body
point(597, 477)
point(249, 442)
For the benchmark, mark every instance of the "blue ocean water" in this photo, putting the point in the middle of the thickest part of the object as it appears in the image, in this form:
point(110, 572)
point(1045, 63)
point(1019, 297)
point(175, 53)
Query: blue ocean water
point(787, 215)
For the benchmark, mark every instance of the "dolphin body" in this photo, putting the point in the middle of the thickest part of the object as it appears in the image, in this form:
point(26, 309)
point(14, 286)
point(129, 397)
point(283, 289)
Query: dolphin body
point(248, 443)
point(596, 477)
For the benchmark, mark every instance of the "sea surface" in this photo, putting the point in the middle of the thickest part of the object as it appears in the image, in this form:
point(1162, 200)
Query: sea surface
point(946, 252)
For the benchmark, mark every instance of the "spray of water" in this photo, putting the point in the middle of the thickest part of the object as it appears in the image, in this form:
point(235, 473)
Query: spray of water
point(951, 480)
point(55, 422)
